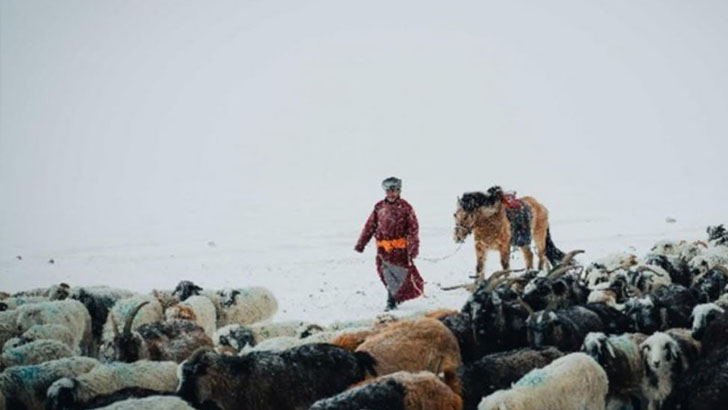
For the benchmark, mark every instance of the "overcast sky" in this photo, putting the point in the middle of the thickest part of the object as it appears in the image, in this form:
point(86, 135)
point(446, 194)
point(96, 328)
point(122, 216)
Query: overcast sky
point(149, 120)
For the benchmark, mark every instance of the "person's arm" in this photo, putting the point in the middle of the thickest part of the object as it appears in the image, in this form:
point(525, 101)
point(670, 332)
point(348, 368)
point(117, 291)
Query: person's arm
point(367, 232)
point(413, 235)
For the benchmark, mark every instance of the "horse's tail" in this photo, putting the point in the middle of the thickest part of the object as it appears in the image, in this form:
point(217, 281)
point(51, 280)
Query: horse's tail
point(553, 254)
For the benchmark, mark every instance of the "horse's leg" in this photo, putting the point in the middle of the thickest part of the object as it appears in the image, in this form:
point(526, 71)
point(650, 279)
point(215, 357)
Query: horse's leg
point(505, 255)
point(540, 224)
point(480, 252)
point(528, 256)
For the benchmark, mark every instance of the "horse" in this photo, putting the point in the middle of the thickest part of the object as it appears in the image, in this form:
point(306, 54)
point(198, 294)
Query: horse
point(493, 224)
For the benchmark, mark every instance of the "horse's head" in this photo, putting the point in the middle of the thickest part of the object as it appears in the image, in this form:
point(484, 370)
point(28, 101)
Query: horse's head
point(464, 222)
point(471, 206)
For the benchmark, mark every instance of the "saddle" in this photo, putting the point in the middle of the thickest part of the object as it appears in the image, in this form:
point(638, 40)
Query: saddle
point(510, 201)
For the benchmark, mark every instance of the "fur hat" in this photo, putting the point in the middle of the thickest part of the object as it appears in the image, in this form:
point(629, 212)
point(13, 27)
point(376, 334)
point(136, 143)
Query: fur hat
point(392, 183)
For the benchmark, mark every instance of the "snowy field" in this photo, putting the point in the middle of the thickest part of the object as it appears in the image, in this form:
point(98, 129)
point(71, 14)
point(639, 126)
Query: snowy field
point(240, 144)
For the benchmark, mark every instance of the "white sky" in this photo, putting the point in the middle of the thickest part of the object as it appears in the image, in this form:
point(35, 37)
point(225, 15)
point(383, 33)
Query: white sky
point(126, 122)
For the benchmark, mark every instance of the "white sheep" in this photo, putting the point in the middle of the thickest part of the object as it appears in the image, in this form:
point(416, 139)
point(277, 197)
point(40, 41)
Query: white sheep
point(709, 259)
point(69, 313)
point(107, 379)
point(246, 306)
point(150, 403)
point(8, 325)
point(573, 382)
point(151, 312)
point(40, 332)
point(35, 352)
point(27, 385)
point(666, 355)
point(198, 309)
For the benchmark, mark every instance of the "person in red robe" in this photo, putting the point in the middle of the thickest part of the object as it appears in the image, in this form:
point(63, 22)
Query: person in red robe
point(393, 224)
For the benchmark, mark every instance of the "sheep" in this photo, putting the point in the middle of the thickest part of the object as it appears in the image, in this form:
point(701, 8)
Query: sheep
point(246, 337)
point(288, 380)
point(666, 356)
point(714, 333)
point(573, 382)
point(499, 371)
point(674, 265)
point(98, 301)
point(400, 390)
point(107, 379)
point(717, 235)
point(69, 313)
point(704, 386)
point(246, 306)
point(39, 332)
point(620, 358)
point(16, 301)
point(174, 340)
point(8, 325)
point(613, 320)
point(24, 387)
point(702, 316)
point(121, 311)
point(563, 328)
point(150, 403)
point(413, 346)
point(198, 309)
point(708, 287)
point(709, 259)
point(55, 292)
point(35, 352)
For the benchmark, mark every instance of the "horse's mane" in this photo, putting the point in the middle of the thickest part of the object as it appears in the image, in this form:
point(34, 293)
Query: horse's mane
point(471, 201)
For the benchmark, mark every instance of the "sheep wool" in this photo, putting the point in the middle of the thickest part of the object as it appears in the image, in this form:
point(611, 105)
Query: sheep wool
point(25, 386)
point(69, 313)
point(573, 382)
point(35, 352)
point(150, 403)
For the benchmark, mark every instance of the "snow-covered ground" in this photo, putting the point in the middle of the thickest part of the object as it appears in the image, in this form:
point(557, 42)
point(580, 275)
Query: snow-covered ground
point(239, 143)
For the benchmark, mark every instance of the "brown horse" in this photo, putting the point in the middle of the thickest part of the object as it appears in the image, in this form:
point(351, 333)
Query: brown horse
point(486, 215)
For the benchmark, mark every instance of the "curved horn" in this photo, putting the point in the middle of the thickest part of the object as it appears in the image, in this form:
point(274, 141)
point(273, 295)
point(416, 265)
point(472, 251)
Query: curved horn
point(643, 268)
point(493, 279)
point(526, 306)
point(114, 325)
point(569, 256)
point(130, 319)
point(722, 269)
point(556, 273)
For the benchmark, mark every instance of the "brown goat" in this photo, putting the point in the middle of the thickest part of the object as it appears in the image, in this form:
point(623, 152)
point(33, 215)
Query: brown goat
point(414, 346)
point(484, 214)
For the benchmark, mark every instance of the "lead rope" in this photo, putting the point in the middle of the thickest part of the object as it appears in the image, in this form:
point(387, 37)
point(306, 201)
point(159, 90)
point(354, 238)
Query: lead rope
point(436, 260)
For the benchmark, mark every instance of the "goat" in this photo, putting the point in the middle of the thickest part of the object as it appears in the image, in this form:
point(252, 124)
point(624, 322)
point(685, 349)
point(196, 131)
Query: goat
point(174, 340)
point(563, 328)
point(262, 380)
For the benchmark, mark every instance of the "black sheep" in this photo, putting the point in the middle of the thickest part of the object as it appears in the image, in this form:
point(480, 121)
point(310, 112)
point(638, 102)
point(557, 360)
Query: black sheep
point(499, 370)
point(287, 380)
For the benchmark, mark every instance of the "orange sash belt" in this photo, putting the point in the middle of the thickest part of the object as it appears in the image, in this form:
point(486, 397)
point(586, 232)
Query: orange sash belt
point(390, 244)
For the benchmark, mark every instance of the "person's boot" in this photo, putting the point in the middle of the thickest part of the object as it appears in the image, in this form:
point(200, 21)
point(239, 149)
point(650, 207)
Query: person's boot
point(391, 303)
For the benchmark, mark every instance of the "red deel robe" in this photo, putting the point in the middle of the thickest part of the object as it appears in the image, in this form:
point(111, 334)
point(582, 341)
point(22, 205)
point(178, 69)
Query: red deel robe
point(395, 268)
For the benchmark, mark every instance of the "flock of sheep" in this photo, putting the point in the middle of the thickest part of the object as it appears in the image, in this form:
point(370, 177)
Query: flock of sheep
point(620, 333)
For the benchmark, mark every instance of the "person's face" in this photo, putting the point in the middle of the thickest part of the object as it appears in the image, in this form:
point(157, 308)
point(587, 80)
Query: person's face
point(392, 195)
